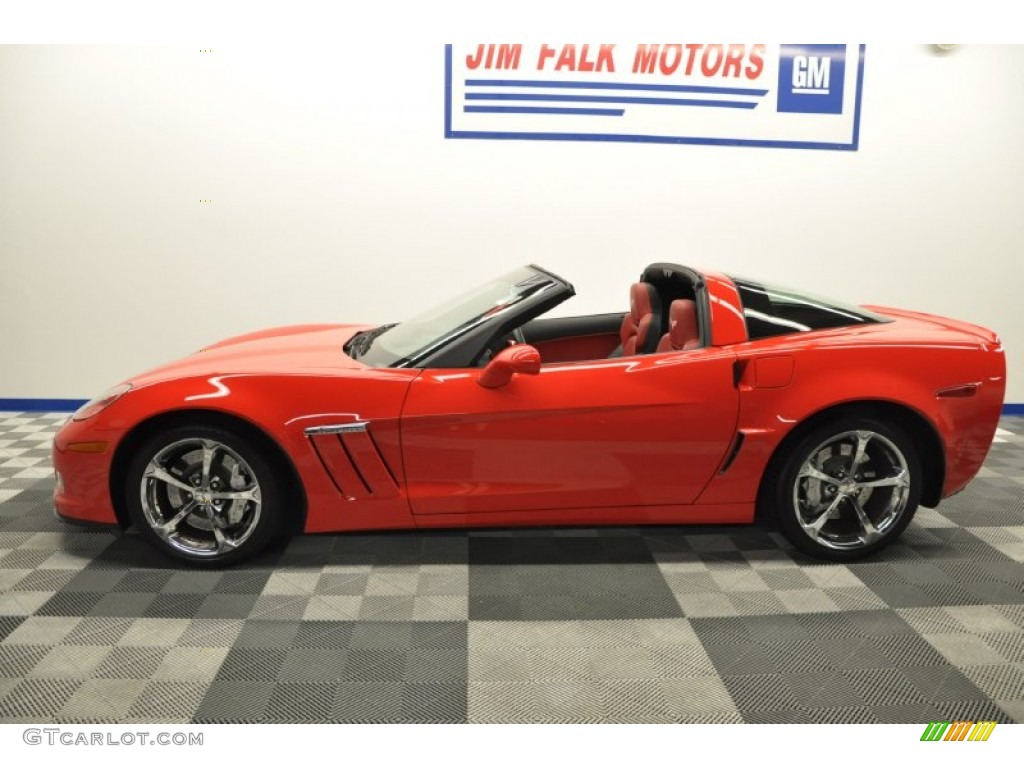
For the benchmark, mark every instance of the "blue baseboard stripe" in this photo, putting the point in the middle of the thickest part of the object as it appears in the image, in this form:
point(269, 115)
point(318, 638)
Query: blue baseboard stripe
point(35, 404)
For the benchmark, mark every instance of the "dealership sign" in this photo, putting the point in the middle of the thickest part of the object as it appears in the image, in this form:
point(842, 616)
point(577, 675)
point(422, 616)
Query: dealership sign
point(804, 96)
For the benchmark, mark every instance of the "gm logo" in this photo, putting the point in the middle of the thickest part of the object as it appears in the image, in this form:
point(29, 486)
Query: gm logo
point(811, 78)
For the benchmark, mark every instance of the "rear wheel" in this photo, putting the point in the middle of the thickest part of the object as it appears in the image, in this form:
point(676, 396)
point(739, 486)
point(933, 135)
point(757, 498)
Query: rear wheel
point(203, 494)
point(848, 488)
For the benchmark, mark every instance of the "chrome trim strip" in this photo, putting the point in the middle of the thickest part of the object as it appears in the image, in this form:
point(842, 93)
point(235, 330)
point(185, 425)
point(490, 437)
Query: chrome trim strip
point(338, 429)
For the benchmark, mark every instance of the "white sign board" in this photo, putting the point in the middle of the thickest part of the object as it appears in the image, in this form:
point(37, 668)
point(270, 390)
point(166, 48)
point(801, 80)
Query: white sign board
point(803, 96)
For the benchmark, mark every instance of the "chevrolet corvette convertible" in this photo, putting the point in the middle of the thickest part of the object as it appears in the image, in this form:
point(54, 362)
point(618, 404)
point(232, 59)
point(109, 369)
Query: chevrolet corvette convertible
point(711, 399)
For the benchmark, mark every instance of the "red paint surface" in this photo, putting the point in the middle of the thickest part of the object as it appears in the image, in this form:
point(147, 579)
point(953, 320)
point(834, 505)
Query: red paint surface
point(627, 440)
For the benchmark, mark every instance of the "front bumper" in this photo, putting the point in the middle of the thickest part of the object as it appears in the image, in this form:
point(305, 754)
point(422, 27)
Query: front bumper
point(82, 491)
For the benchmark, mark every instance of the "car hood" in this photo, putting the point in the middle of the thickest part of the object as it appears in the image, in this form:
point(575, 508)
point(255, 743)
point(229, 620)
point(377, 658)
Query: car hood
point(288, 349)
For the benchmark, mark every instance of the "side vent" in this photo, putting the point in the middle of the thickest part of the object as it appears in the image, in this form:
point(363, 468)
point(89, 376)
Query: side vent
point(738, 369)
point(353, 461)
point(734, 451)
point(960, 390)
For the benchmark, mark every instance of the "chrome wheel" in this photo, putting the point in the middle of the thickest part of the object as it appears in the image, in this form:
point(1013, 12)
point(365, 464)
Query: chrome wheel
point(851, 490)
point(200, 497)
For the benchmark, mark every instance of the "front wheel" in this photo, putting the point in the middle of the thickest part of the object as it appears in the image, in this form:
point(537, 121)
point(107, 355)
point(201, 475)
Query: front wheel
point(847, 488)
point(203, 494)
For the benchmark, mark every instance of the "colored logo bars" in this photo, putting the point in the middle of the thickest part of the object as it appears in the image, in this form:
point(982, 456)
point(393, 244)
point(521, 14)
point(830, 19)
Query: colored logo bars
point(961, 730)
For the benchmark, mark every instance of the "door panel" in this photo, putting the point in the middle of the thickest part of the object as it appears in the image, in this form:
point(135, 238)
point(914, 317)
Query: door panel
point(549, 328)
point(631, 431)
point(576, 348)
point(572, 339)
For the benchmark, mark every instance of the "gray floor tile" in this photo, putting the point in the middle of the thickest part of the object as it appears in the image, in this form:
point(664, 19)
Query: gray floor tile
point(37, 699)
point(312, 664)
point(17, 660)
point(234, 701)
point(163, 701)
point(252, 664)
point(175, 605)
point(737, 658)
point(301, 702)
point(102, 699)
point(185, 664)
point(761, 692)
point(368, 702)
point(823, 690)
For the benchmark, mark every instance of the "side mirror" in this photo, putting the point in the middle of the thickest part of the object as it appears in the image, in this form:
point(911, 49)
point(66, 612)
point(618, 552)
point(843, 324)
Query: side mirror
point(522, 358)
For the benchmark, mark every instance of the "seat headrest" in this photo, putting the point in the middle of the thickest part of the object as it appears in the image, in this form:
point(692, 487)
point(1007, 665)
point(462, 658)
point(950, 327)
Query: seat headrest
point(682, 324)
point(643, 298)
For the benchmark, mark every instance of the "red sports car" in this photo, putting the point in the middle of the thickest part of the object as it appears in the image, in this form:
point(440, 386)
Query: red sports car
point(713, 399)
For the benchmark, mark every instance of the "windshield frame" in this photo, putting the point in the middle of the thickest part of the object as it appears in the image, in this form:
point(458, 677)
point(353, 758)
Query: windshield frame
point(460, 345)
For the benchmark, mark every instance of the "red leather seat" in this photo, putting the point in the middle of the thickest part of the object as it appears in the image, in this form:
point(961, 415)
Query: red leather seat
point(682, 327)
point(640, 326)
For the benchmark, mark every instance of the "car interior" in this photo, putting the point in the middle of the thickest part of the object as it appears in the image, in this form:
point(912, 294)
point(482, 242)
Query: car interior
point(662, 317)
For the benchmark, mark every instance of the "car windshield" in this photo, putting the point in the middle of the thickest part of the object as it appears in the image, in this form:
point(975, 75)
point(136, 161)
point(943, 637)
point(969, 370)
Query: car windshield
point(403, 344)
point(774, 311)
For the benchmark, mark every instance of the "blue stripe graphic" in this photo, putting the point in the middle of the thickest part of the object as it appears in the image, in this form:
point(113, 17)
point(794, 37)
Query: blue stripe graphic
point(572, 97)
point(605, 86)
point(547, 110)
point(20, 404)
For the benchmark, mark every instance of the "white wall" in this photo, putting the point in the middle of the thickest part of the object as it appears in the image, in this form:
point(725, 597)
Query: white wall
point(335, 197)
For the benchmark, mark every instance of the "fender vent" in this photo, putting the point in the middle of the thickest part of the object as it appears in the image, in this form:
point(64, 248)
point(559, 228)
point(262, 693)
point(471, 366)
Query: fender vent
point(353, 461)
point(960, 390)
point(734, 451)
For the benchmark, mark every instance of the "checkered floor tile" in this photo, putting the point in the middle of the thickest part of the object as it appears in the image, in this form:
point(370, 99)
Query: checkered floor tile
point(665, 624)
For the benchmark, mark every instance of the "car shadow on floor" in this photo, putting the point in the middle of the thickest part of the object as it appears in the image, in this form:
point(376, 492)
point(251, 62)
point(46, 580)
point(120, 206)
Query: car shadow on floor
point(714, 546)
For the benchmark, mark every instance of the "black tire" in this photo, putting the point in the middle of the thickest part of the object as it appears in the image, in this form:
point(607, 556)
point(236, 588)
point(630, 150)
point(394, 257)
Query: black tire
point(889, 508)
point(243, 468)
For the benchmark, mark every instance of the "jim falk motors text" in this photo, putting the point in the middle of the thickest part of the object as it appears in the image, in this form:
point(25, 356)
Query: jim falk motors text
point(735, 60)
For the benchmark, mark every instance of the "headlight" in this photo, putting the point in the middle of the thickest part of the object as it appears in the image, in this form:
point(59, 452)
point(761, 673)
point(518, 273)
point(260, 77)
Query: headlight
point(97, 404)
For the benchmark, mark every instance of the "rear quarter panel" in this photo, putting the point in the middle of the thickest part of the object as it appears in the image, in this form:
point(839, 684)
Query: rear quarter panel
point(901, 363)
